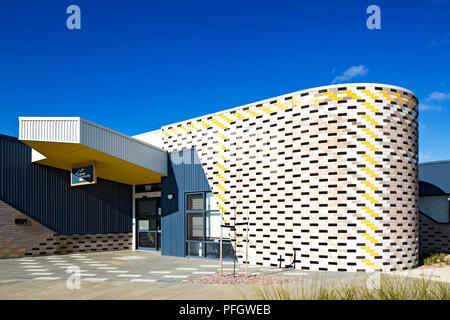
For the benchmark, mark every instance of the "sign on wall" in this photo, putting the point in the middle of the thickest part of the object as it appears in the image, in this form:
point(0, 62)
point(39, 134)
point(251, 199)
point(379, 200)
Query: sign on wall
point(82, 175)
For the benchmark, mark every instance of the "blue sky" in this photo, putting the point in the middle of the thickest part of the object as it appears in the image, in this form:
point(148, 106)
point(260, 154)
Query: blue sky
point(137, 65)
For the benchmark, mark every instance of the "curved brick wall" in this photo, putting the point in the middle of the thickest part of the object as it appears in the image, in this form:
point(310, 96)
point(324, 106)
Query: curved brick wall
point(329, 172)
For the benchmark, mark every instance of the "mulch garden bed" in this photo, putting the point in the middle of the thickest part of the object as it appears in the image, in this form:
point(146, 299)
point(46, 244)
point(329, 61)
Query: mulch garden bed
point(244, 278)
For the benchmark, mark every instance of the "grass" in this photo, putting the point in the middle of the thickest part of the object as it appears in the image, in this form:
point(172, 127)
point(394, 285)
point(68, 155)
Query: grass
point(363, 287)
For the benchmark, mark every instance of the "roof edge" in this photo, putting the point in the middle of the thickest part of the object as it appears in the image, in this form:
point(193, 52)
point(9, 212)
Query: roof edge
point(332, 86)
point(434, 162)
point(96, 125)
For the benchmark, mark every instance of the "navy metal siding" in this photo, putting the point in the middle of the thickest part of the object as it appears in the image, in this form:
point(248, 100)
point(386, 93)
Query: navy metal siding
point(182, 178)
point(429, 189)
point(45, 195)
point(436, 173)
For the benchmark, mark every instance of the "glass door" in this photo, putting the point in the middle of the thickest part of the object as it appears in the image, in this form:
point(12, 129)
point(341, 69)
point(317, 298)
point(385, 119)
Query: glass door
point(148, 217)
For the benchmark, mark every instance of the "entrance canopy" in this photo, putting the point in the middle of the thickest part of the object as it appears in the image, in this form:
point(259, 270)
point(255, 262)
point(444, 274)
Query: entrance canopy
point(66, 142)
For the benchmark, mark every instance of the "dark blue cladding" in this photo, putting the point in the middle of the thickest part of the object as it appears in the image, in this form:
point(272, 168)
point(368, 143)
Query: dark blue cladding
point(45, 195)
point(185, 174)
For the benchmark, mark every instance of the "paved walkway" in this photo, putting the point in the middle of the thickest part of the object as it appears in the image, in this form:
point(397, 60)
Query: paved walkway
point(131, 266)
point(117, 290)
point(143, 275)
point(119, 275)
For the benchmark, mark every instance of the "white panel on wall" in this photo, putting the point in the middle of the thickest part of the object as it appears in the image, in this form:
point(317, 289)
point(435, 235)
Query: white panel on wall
point(153, 137)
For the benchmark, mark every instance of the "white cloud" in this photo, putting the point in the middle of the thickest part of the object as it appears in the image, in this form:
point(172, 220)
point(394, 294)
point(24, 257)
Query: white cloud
point(351, 73)
point(438, 96)
point(427, 107)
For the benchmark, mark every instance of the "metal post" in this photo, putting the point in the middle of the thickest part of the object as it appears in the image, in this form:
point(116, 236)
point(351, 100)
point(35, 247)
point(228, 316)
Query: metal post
point(235, 251)
point(246, 250)
point(221, 248)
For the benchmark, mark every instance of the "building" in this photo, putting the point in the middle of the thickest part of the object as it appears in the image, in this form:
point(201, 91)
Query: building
point(320, 179)
point(434, 185)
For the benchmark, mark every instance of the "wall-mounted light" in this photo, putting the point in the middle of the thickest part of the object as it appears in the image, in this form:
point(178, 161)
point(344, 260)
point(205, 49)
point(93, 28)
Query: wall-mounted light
point(170, 196)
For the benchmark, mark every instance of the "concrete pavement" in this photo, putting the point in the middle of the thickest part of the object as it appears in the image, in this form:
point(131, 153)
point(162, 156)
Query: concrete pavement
point(146, 275)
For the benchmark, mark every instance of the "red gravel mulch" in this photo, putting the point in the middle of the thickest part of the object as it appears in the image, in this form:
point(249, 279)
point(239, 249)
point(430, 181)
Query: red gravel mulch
point(243, 278)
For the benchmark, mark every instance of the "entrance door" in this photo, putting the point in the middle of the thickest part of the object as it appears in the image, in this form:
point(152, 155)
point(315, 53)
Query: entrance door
point(148, 217)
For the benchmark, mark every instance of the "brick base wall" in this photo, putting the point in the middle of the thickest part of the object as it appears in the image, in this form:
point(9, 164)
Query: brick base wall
point(434, 237)
point(34, 239)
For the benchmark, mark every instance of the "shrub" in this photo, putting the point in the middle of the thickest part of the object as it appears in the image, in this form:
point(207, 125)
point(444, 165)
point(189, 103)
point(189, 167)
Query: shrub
point(435, 258)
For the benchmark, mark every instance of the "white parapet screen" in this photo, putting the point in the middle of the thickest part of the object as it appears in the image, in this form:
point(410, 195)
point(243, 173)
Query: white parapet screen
point(153, 137)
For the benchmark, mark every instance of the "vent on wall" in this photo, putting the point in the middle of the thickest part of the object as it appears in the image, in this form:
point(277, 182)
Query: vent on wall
point(20, 221)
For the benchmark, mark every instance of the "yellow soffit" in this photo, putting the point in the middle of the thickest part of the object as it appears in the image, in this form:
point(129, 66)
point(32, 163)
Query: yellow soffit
point(68, 155)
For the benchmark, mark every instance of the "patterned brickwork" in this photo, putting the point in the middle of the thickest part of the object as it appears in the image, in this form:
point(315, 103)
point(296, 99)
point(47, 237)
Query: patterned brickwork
point(434, 237)
point(34, 239)
point(330, 173)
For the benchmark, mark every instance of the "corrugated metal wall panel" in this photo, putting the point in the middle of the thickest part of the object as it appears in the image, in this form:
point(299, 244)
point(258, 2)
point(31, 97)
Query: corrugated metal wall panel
point(181, 178)
point(44, 194)
point(435, 207)
point(50, 129)
point(429, 189)
point(123, 147)
point(76, 130)
point(436, 173)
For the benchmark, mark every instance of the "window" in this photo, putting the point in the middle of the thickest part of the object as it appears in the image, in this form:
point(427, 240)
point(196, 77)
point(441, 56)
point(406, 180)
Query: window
point(203, 223)
point(194, 201)
point(195, 226)
point(212, 226)
point(195, 249)
point(211, 203)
